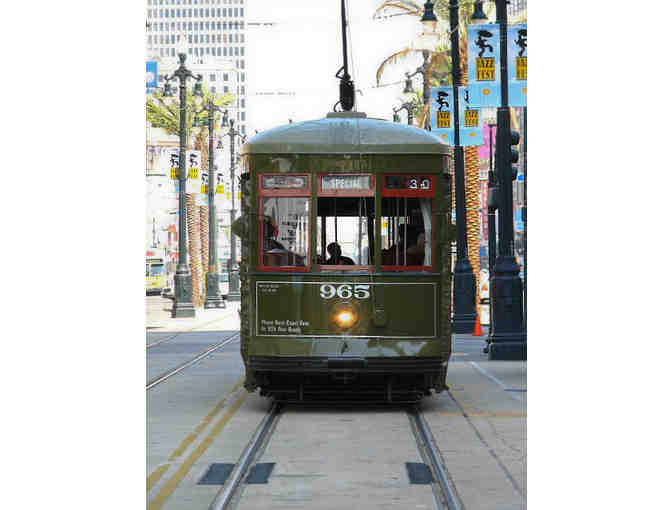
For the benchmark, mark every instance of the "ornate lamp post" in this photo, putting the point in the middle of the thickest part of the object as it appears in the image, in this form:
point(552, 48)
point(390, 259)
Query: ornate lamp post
point(213, 298)
point(234, 277)
point(423, 70)
point(464, 284)
point(182, 304)
point(509, 339)
point(409, 103)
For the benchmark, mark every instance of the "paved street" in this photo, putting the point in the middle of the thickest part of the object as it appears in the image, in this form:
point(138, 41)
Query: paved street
point(324, 458)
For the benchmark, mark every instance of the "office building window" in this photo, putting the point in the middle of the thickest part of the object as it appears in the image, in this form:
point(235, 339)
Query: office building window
point(172, 39)
point(219, 12)
point(242, 77)
point(201, 25)
point(207, 38)
point(219, 52)
point(226, 77)
point(230, 12)
point(172, 26)
point(189, 25)
point(226, 89)
point(235, 12)
point(242, 103)
point(236, 50)
point(241, 12)
point(191, 51)
point(242, 54)
point(172, 52)
point(242, 38)
point(219, 38)
point(242, 90)
point(207, 51)
point(230, 38)
point(242, 115)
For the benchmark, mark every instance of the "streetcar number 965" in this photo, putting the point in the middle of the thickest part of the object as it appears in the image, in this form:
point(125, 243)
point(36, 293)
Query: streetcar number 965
point(345, 291)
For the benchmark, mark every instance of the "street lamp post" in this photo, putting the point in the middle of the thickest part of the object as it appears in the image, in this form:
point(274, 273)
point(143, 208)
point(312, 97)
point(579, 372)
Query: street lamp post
point(182, 304)
point(213, 297)
point(234, 273)
point(409, 105)
point(492, 232)
point(509, 339)
point(464, 284)
point(423, 70)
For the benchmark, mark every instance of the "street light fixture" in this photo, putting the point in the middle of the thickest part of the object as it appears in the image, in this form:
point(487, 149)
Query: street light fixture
point(213, 298)
point(182, 304)
point(428, 19)
point(478, 16)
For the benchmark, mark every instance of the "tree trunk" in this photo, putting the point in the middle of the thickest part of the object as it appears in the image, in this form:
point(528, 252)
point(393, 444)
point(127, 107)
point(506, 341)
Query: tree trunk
point(205, 245)
point(193, 220)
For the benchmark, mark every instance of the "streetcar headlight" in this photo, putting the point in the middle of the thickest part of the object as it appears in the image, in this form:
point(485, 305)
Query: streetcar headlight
point(345, 318)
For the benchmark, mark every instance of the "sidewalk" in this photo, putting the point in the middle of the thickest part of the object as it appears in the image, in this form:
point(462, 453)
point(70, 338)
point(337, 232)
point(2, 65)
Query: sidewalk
point(159, 320)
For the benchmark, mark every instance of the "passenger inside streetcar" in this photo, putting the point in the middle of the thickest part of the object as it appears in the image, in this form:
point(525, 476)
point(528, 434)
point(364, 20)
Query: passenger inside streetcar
point(413, 244)
point(335, 257)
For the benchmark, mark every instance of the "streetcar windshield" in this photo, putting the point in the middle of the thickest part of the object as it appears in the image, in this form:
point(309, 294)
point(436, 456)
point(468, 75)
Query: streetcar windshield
point(284, 230)
point(345, 230)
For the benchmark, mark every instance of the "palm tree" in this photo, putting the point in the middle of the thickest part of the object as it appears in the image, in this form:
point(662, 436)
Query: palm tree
point(165, 115)
point(441, 64)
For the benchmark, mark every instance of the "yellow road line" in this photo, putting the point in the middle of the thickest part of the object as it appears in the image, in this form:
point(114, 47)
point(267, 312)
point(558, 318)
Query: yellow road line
point(177, 477)
point(159, 472)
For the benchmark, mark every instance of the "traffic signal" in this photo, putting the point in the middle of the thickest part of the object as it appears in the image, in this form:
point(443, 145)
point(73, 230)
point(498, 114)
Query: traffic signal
point(514, 139)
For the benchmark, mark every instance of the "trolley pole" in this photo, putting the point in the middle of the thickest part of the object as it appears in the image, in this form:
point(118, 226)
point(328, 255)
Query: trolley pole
point(508, 340)
point(234, 281)
point(464, 284)
point(182, 304)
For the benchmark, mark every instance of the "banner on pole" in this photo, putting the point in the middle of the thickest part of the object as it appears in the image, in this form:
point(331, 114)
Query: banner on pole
point(471, 134)
point(174, 155)
point(442, 113)
point(483, 61)
point(517, 64)
point(193, 168)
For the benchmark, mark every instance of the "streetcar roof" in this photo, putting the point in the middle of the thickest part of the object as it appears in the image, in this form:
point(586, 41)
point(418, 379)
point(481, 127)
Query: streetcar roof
point(345, 133)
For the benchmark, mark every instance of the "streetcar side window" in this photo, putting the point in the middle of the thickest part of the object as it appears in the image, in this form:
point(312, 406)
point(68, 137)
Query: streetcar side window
point(406, 232)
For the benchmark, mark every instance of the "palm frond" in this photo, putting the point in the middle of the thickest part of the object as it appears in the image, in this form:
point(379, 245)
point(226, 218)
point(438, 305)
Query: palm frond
point(406, 6)
point(393, 59)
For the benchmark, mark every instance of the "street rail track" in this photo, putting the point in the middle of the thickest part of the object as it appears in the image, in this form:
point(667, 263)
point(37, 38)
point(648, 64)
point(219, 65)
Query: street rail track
point(444, 490)
point(176, 370)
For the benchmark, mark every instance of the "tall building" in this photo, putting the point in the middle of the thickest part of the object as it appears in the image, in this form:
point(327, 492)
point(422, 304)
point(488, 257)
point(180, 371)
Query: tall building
point(215, 32)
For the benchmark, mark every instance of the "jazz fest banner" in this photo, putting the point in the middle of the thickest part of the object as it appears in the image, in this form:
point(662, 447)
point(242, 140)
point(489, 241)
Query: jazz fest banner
point(471, 134)
point(483, 65)
point(517, 64)
point(193, 170)
point(442, 113)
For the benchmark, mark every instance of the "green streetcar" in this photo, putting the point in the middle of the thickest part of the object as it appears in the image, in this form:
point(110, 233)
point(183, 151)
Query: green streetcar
point(345, 261)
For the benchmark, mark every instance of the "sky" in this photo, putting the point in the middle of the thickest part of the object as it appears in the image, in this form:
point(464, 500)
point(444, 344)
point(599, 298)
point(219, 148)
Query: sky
point(300, 55)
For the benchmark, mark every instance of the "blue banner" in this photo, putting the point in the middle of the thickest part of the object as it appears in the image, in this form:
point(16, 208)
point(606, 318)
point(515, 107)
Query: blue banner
point(152, 76)
point(471, 131)
point(483, 65)
point(517, 64)
point(442, 113)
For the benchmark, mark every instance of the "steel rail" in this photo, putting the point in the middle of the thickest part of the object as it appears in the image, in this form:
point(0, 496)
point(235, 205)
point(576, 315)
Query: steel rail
point(226, 493)
point(192, 330)
point(186, 364)
point(429, 451)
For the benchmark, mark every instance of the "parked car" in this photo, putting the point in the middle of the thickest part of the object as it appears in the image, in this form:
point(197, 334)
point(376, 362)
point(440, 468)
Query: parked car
point(224, 284)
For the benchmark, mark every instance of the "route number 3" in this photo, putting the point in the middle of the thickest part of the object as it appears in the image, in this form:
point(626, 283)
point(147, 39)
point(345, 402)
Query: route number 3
point(345, 291)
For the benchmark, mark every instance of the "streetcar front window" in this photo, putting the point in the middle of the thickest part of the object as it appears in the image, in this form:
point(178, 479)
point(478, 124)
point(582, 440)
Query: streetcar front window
point(284, 231)
point(345, 231)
